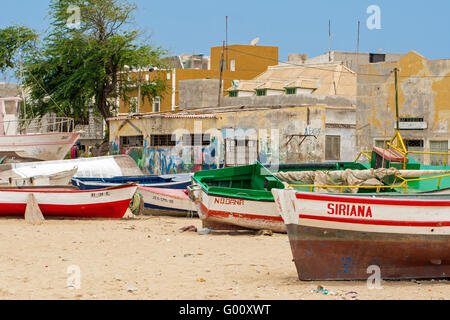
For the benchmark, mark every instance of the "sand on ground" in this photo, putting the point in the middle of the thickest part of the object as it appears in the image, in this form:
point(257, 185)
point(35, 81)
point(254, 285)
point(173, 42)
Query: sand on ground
point(148, 258)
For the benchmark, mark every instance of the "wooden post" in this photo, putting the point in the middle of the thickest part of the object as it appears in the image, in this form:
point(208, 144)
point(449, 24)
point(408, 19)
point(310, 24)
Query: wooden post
point(33, 213)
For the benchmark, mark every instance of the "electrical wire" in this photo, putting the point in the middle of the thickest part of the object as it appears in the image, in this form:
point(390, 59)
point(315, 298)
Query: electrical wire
point(334, 71)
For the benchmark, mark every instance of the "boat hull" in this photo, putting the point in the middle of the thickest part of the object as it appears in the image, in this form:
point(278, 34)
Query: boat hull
point(166, 202)
point(330, 254)
point(110, 203)
point(98, 167)
point(38, 147)
point(227, 213)
point(337, 237)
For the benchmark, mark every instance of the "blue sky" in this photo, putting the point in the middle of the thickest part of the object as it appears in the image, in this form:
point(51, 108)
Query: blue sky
point(295, 26)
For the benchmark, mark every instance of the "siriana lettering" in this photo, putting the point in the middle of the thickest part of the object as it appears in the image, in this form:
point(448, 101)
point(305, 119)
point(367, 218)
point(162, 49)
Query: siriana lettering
point(350, 210)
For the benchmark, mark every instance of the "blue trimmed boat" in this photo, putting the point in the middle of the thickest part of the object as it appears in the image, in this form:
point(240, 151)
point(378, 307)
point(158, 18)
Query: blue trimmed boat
point(176, 181)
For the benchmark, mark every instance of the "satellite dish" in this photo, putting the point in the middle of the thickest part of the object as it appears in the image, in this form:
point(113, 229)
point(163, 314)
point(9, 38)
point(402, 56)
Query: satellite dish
point(254, 42)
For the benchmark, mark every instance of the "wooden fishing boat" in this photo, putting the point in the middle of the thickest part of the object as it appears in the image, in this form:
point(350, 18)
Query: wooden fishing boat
point(159, 201)
point(33, 140)
point(9, 178)
point(338, 237)
point(96, 167)
point(64, 202)
point(241, 198)
point(176, 181)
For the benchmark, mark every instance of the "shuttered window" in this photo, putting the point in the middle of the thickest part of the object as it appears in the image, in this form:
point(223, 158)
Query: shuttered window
point(240, 152)
point(438, 146)
point(162, 140)
point(333, 148)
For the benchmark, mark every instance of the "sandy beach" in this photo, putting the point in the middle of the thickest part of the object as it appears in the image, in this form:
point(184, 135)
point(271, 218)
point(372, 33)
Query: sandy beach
point(147, 258)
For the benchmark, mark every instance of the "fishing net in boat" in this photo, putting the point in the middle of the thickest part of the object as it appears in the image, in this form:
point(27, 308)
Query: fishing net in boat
point(366, 178)
point(369, 177)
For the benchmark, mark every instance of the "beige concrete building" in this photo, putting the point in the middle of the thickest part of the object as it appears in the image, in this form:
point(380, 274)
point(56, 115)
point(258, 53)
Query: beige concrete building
point(424, 105)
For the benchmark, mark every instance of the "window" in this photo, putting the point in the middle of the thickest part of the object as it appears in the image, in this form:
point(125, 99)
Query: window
point(411, 119)
point(134, 104)
point(291, 90)
point(162, 140)
point(261, 92)
point(240, 152)
point(131, 141)
point(156, 104)
point(333, 148)
point(233, 93)
point(438, 146)
point(196, 140)
point(415, 145)
point(233, 65)
point(377, 57)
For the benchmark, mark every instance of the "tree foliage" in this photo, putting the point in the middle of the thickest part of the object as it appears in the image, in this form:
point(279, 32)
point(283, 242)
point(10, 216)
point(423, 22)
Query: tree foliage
point(15, 41)
point(83, 66)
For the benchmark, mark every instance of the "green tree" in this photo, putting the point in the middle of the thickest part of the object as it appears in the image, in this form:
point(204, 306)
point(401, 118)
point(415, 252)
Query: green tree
point(15, 41)
point(83, 62)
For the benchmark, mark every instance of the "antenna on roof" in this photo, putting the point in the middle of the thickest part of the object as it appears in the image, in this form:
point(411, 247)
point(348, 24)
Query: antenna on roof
point(329, 40)
point(254, 41)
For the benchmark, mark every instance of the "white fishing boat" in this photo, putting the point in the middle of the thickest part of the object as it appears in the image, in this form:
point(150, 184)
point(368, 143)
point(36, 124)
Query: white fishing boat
point(11, 179)
point(98, 167)
point(338, 237)
point(159, 201)
point(50, 138)
point(111, 203)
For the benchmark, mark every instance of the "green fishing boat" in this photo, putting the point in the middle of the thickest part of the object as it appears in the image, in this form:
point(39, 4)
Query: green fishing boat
point(240, 197)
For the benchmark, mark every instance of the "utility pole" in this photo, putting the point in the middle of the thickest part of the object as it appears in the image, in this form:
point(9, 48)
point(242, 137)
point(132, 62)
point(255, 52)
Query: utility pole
point(226, 41)
point(357, 48)
point(396, 70)
point(221, 72)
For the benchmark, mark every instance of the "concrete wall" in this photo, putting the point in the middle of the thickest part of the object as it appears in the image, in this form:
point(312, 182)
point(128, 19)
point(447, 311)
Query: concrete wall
point(198, 93)
point(284, 135)
point(351, 59)
point(289, 100)
point(423, 92)
point(8, 90)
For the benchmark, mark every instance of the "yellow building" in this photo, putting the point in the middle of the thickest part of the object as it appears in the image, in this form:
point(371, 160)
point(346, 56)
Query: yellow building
point(242, 62)
point(424, 105)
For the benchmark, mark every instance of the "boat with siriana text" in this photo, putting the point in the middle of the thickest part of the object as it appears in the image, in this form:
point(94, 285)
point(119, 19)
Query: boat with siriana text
point(339, 237)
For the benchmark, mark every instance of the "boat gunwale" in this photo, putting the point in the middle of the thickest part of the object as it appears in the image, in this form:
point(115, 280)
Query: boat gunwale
point(323, 197)
point(37, 190)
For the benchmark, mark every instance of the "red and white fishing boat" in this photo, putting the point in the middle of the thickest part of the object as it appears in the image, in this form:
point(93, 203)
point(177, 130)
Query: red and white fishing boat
point(30, 140)
point(234, 213)
point(65, 202)
point(167, 201)
point(338, 237)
